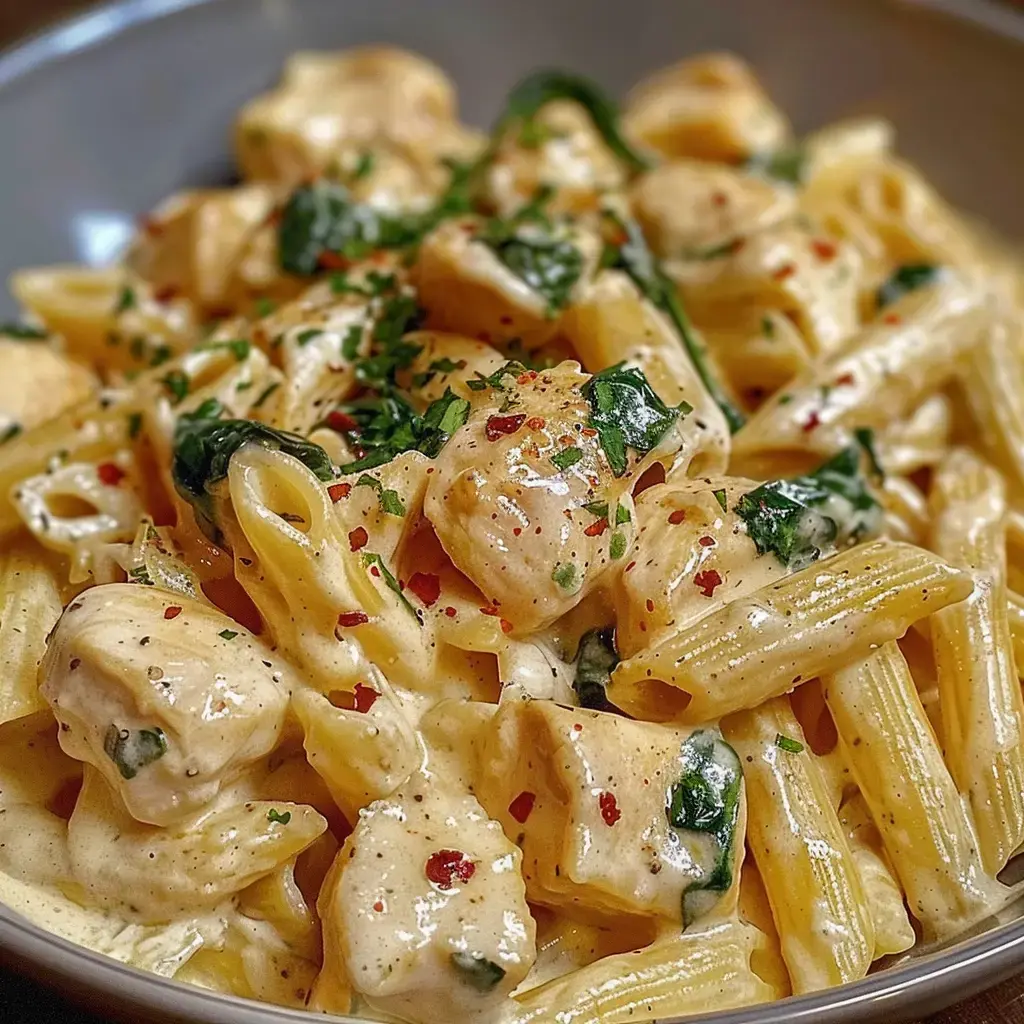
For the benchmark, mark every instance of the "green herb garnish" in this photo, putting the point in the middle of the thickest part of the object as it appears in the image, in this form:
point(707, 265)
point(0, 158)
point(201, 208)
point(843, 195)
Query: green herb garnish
point(626, 412)
point(273, 815)
point(303, 338)
point(228, 634)
point(390, 501)
point(131, 751)
point(906, 279)
point(791, 746)
point(477, 971)
point(177, 384)
point(125, 300)
point(596, 658)
point(629, 252)
point(706, 799)
point(789, 164)
point(798, 519)
point(23, 332)
point(567, 457)
point(567, 576)
point(10, 432)
point(372, 560)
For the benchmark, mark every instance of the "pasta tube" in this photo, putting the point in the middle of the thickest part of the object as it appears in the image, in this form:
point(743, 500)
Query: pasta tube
point(817, 620)
point(980, 695)
point(898, 766)
point(810, 876)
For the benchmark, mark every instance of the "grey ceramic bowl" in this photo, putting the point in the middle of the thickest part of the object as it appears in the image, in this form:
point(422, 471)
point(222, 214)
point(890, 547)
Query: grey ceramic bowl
point(106, 114)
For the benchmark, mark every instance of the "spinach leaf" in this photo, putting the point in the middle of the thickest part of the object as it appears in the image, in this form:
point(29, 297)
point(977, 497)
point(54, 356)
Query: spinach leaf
point(797, 519)
point(596, 658)
point(906, 279)
point(706, 799)
point(550, 266)
point(477, 971)
point(386, 425)
point(788, 164)
point(626, 412)
point(542, 87)
point(204, 444)
point(132, 751)
point(23, 332)
point(628, 251)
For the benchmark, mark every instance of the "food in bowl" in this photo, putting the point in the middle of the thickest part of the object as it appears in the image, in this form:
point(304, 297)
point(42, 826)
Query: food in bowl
point(567, 573)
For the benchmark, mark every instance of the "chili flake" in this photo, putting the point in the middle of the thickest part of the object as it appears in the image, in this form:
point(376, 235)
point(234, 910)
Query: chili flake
point(341, 422)
point(365, 697)
point(446, 867)
point(426, 586)
point(846, 378)
point(785, 271)
point(506, 626)
point(358, 538)
point(348, 619)
point(596, 529)
point(173, 612)
point(707, 581)
point(110, 474)
point(338, 491)
point(812, 421)
point(536, 422)
point(499, 426)
point(823, 249)
point(706, 542)
point(522, 806)
point(609, 808)
point(892, 318)
point(450, 612)
point(677, 516)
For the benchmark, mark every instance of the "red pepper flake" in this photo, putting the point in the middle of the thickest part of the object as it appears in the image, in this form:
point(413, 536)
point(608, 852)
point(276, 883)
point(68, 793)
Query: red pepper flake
point(375, 571)
point(892, 318)
point(365, 697)
point(110, 474)
point(173, 612)
point(629, 568)
point(516, 531)
point(677, 516)
point(596, 529)
point(536, 422)
point(785, 271)
point(525, 378)
point(450, 612)
point(167, 293)
point(577, 727)
point(499, 426)
point(846, 378)
point(706, 542)
point(521, 807)
point(426, 586)
point(338, 491)
point(506, 320)
point(446, 867)
point(824, 249)
point(649, 605)
point(358, 538)
point(341, 423)
point(588, 432)
point(348, 619)
point(812, 421)
point(379, 907)
point(491, 609)
point(609, 808)
point(151, 226)
point(506, 626)
point(333, 261)
point(719, 199)
point(707, 581)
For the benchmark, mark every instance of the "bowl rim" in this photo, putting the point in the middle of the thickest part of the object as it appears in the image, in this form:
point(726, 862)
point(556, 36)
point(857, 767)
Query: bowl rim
point(959, 970)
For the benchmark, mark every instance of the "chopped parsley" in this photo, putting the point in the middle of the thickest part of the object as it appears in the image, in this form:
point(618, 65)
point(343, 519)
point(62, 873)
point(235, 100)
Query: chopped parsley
point(906, 279)
point(865, 437)
point(719, 494)
point(266, 393)
point(600, 509)
point(567, 576)
point(177, 384)
point(798, 519)
point(791, 746)
point(496, 380)
point(374, 561)
point(238, 347)
point(477, 971)
point(132, 751)
point(23, 332)
point(134, 424)
point(10, 432)
point(125, 300)
point(628, 251)
point(273, 815)
point(390, 501)
point(788, 164)
point(567, 457)
point(351, 342)
point(228, 634)
point(626, 412)
point(140, 574)
point(706, 799)
point(303, 338)
point(596, 658)
point(364, 165)
point(264, 307)
point(542, 87)
point(617, 547)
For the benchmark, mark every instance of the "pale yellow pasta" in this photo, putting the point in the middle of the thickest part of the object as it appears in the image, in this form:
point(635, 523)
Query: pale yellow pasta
point(812, 622)
point(699, 971)
point(982, 705)
point(811, 878)
point(30, 604)
point(920, 440)
point(37, 384)
point(1015, 621)
point(908, 789)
